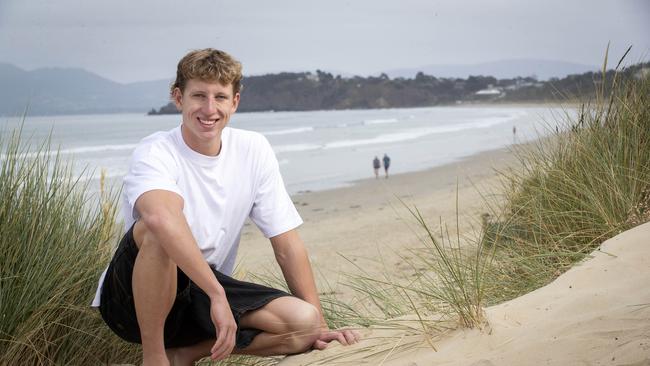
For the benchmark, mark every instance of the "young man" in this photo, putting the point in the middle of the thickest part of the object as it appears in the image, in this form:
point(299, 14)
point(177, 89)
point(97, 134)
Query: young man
point(186, 196)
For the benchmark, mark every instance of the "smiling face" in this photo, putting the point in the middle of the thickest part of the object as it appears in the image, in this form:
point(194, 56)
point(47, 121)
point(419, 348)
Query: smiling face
point(206, 107)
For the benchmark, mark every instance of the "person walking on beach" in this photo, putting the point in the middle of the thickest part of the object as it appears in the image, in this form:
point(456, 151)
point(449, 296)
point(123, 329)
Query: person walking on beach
point(186, 196)
point(376, 165)
point(386, 164)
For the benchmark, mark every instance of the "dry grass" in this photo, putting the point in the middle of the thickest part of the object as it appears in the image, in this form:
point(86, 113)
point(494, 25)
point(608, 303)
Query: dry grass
point(55, 241)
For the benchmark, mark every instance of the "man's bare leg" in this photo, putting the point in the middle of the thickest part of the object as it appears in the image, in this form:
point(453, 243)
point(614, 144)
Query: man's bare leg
point(154, 291)
point(289, 325)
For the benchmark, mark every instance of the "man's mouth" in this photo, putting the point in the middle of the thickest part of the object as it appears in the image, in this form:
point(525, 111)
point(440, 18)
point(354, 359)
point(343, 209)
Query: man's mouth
point(207, 122)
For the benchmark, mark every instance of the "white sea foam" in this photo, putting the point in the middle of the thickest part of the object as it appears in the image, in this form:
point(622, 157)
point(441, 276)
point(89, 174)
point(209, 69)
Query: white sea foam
point(379, 121)
point(296, 147)
point(400, 136)
point(78, 150)
point(100, 148)
point(287, 131)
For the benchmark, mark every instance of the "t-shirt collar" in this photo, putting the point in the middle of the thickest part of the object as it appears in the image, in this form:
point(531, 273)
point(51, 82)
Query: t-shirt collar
point(197, 157)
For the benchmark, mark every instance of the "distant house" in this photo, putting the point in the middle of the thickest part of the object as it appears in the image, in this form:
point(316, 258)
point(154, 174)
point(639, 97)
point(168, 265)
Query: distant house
point(313, 77)
point(519, 83)
point(489, 92)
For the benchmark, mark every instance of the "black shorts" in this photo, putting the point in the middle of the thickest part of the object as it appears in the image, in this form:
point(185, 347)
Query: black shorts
point(189, 320)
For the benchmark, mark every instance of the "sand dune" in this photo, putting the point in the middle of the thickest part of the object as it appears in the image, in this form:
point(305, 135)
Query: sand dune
point(597, 313)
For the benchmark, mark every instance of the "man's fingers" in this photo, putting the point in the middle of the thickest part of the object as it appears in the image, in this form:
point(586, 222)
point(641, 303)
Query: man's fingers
point(217, 345)
point(346, 337)
point(352, 336)
point(341, 338)
point(222, 350)
point(320, 345)
point(333, 336)
point(220, 344)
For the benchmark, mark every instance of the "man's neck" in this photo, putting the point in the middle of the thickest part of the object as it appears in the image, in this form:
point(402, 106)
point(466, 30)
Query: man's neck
point(211, 148)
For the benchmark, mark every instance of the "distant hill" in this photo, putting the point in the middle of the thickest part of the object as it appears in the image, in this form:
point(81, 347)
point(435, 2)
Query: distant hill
point(73, 91)
point(503, 69)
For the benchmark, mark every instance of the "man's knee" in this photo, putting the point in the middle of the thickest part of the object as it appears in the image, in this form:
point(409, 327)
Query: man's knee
point(145, 241)
point(304, 327)
point(150, 250)
point(139, 233)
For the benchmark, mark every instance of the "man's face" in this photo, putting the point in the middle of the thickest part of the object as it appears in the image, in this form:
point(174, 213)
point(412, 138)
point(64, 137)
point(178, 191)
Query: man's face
point(206, 107)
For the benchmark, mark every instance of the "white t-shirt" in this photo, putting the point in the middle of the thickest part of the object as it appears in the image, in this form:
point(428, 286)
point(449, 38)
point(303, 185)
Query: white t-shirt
point(219, 192)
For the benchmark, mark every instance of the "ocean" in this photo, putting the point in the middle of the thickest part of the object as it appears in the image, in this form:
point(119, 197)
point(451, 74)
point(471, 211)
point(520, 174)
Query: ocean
point(316, 150)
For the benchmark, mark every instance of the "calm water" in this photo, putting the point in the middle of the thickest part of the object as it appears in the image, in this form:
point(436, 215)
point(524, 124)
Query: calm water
point(316, 150)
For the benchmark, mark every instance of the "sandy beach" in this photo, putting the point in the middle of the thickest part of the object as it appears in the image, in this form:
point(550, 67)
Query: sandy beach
point(368, 221)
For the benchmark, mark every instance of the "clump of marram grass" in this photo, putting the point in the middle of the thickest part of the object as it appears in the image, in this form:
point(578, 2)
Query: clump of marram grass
point(54, 244)
point(574, 190)
point(443, 284)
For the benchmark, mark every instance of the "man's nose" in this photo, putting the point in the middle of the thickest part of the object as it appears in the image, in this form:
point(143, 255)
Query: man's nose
point(210, 106)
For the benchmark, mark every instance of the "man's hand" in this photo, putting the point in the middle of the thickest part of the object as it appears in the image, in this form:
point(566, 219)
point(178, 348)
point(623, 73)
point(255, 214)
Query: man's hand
point(225, 325)
point(344, 336)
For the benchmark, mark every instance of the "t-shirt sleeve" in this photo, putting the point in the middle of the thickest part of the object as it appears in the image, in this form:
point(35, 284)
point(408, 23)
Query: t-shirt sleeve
point(273, 211)
point(152, 167)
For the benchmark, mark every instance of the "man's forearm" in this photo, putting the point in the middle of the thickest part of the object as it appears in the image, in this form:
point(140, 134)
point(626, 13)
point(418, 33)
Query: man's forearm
point(170, 230)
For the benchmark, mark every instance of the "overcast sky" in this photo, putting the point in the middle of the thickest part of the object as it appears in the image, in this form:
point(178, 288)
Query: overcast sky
point(133, 40)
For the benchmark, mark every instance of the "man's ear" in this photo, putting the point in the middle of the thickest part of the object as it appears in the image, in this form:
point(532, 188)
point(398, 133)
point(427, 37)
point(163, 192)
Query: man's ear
point(235, 102)
point(177, 97)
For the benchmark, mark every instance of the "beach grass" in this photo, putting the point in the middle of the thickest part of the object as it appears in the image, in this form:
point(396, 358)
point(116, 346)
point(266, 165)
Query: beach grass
point(572, 191)
point(55, 241)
